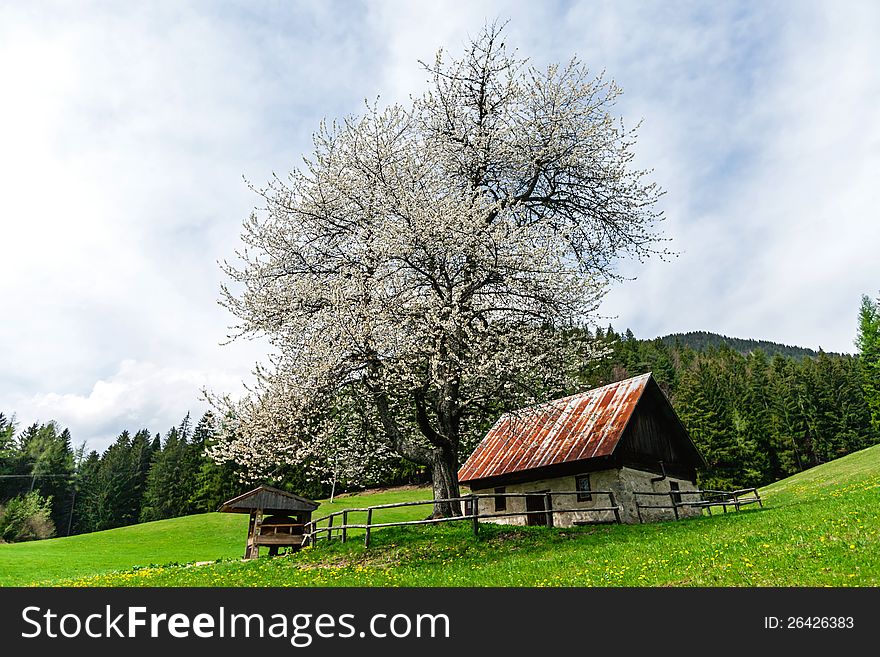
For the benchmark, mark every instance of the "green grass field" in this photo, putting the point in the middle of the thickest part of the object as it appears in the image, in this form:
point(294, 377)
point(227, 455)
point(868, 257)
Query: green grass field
point(204, 537)
point(818, 528)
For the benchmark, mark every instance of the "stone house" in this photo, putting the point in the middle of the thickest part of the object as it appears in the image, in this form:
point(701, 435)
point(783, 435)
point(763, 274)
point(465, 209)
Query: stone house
point(623, 437)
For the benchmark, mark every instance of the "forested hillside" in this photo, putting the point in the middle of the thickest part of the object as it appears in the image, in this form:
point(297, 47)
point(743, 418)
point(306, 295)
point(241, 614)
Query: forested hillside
point(703, 340)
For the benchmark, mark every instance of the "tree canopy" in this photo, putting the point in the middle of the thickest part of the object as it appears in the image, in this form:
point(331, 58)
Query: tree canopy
point(421, 253)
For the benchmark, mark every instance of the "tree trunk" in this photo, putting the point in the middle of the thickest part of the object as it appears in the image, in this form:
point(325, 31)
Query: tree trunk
point(442, 459)
point(444, 478)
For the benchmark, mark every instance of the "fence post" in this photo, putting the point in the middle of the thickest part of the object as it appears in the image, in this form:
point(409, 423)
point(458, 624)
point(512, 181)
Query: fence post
point(258, 524)
point(549, 504)
point(344, 525)
point(330, 528)
point(367, 531)
point(760, 503)
point(613, 501)
point(475, 510)
point(674, 507)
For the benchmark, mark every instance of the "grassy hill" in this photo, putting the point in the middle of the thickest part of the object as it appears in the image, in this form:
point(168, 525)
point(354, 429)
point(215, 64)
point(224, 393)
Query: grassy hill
point(204, 537)
point(820, 527)
point(201, 537)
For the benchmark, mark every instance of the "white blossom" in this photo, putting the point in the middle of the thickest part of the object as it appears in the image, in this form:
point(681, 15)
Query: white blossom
point(425, 262)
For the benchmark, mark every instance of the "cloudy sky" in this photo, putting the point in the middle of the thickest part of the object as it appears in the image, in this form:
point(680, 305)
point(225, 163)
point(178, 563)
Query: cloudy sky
point(127, 131)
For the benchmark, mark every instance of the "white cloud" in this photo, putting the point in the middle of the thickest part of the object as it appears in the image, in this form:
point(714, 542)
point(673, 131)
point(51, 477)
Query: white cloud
point(769, 170)
point(138, 395)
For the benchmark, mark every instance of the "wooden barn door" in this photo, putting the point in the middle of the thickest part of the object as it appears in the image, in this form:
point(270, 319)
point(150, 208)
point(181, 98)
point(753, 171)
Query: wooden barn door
point(536, 503)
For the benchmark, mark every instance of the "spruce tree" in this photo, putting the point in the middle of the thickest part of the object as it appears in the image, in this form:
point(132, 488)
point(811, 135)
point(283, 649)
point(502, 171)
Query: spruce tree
point(46, 454)
point(87, 510)
point(705, 410)
point(115, 491)
point(7, 454)
point(215, 482)
point(868, 342)
point(787, 424)
point(757, 422)
point(172, 477)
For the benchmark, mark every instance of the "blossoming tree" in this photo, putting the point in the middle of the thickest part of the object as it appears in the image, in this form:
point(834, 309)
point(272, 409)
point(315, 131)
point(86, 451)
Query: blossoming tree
point(426, 260)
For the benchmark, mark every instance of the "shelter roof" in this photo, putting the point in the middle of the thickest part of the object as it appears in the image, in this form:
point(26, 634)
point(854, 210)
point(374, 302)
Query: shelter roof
point(267, 498)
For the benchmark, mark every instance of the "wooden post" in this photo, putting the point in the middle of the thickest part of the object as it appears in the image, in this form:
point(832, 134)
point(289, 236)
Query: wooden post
point(367, 530)
point(613, 501)
point(250, 536)
point(330, 529)
point(475, 510)
point(70, 516)
point(674, 507)
point(258, 522)
point(760, 503)
point(638, 508)
point(548, 502)
point(344, 525)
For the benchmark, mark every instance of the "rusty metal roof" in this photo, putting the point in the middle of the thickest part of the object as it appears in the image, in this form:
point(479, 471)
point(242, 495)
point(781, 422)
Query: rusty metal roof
point(582, 426)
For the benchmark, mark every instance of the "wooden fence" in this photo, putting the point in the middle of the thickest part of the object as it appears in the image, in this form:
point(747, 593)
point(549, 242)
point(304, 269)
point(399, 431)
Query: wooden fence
point(706, 500)
point(312, 530)
point(327, 526)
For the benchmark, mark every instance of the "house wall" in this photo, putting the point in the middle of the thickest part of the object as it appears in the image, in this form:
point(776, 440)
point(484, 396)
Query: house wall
point(601, 480)
point(621, 481)
point(631, 480)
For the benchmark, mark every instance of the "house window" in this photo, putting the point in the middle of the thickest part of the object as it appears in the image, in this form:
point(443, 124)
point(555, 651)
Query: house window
point(674, 488)
point(500, 500)
point(582, 486)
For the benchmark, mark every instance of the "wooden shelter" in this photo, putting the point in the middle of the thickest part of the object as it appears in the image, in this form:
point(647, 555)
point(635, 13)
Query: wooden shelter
point(277, 519)
point(624, 437)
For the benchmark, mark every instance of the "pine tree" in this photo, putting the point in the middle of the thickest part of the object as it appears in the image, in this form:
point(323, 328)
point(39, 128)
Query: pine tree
point(705, 410)
point(45, 453)
point(172, 478)
point(111, 486)
point(88, 508)
point(7, 436)
point(142, 449)
point(786, 421)
point(660, 362)
point(215, 482)
point(7, 454)
point(756, 411)
point(868, 342)
point(115, 484)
